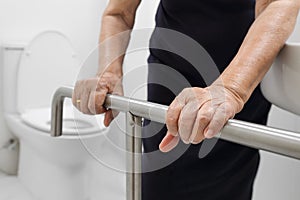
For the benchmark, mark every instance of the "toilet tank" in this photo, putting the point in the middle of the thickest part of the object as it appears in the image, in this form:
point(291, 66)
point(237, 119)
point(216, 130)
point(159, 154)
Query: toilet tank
point(11, 58)
point(33, 73)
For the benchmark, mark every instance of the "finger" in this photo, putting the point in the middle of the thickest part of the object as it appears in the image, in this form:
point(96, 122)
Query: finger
point(168, 143)
point(204, 116)
point(108, 118)
point(186, 120)
point(118, 89)
point(173, 114)
point(217, 123)
point(110, 115)
point(96, 102)
point(92, 103)
point(84, 101)
point(75, 96)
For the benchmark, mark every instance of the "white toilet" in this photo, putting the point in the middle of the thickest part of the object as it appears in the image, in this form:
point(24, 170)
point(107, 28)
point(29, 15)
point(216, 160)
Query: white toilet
point(49, 168)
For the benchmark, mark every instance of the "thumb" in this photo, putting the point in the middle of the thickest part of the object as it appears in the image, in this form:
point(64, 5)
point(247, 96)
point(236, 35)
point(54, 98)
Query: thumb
point(168, 143)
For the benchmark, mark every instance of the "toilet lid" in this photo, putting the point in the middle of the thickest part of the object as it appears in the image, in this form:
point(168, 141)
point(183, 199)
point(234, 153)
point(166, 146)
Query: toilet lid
point(74, 122)
point(48, 62)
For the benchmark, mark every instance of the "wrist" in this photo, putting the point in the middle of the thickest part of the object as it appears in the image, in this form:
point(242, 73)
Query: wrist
point(232, 92)
point(114, 68)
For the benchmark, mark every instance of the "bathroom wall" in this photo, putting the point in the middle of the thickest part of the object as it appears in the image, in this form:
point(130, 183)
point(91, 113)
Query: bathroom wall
point(279, 177)
point(20, 21)
point(80, 20)
point(8, 156)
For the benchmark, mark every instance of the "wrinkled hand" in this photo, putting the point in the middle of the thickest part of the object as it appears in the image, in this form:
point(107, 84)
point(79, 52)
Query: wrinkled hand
point(89, 94)
point(199, 113)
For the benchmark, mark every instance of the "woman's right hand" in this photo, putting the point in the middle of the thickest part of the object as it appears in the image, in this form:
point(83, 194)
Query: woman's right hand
point(89, 94)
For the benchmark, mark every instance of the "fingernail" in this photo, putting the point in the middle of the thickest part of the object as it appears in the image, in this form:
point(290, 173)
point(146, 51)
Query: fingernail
point(191, 140)
point(209, 134)
point(185, 141)
point(168, 143)
point(107, 122)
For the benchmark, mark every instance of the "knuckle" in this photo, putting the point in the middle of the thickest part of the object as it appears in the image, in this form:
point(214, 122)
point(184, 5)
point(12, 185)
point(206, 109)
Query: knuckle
point(229, 111)
point(186, 118)
point(219, 123)
point(102, 96)
point(196, 89)
point(204, 118)
point(171, 121)
point(185, 90)
point(197, 102)
point(92, 108)
point(175, 106)
point(170, 112)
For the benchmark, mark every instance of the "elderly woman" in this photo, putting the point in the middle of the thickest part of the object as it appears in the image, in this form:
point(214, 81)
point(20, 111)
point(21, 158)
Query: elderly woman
point(243, 37)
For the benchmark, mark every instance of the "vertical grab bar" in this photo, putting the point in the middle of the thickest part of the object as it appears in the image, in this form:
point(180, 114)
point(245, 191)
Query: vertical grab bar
point(274, 140)
point(57, 109)
point(133, 159)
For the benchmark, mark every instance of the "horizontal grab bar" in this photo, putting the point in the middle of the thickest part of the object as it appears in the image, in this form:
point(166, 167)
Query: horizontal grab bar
point(275, 140)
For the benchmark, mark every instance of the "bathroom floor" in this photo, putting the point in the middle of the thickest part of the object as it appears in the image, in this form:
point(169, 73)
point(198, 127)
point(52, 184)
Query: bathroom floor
point(12, 189)
point(2, 174)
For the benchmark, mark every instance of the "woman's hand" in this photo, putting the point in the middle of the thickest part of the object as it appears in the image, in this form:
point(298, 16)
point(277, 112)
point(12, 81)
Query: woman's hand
point(89, 94)
point(199, 113)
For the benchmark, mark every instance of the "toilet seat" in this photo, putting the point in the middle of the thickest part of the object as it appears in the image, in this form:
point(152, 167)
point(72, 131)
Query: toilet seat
point(47, 63)
point(74, 123)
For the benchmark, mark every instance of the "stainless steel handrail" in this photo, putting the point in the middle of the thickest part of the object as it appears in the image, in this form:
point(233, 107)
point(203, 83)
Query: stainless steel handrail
point(57, 109)
point(274, 140)
point(253, 135)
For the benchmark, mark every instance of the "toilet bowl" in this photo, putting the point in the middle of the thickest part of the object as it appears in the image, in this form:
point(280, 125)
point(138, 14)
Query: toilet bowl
point(49, 168)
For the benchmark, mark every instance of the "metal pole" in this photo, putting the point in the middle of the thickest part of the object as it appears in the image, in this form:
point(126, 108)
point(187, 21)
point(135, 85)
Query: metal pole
point(148, 110)
point(270, 139)
point(133, 160)
point(137, 187)
point(257, 136)
point(130, 176)
point(57, 109)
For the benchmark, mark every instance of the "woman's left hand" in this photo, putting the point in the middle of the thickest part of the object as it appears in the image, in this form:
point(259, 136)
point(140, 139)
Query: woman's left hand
point(199, 113)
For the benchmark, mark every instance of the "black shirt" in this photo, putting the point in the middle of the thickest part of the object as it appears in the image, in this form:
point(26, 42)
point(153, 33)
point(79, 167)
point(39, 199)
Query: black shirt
point(229, 170)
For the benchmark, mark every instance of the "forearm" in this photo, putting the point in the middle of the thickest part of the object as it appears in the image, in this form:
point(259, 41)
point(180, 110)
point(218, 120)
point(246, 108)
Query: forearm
point(263, 42)
point(117, 22)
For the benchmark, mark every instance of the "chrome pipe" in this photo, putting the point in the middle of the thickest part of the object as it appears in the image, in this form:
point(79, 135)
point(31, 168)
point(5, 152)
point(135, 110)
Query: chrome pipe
point(57, 109)
point(133, 159)
point(270, 139)
point(148, 110)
